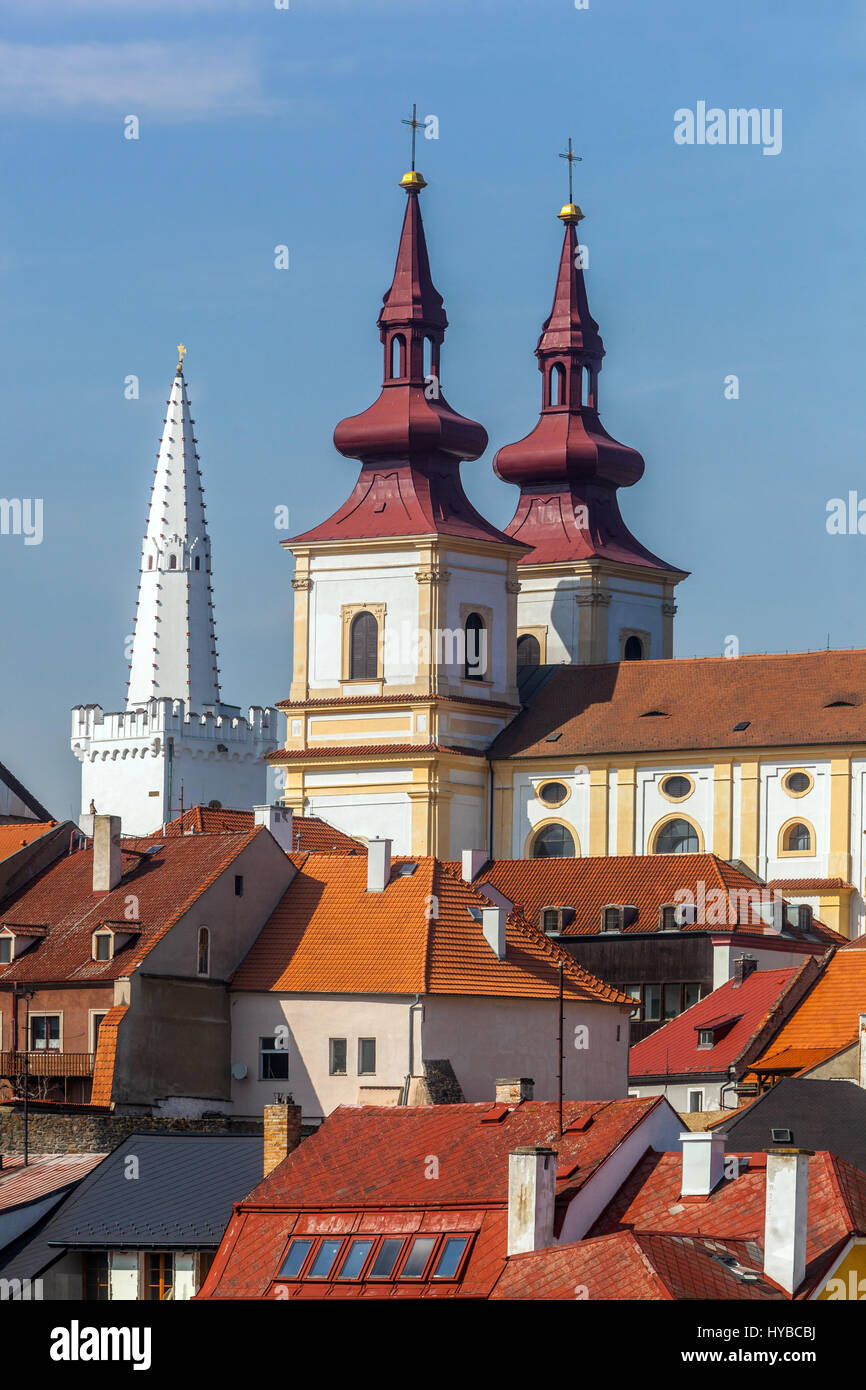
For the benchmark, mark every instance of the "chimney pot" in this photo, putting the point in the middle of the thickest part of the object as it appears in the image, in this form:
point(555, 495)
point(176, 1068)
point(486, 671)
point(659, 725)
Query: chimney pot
point(378, 865)
point(531, 1197)
point(107, 859)
point(511, 1090)
point(786, 1216)
point(473, 862)
point(703, 1161)
point(282, 1133)
point(277, 819)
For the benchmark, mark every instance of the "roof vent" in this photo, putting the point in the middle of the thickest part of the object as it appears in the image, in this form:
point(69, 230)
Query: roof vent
point(655, 714)
point(551, 738)
point(742, 726)
point(782, 1136)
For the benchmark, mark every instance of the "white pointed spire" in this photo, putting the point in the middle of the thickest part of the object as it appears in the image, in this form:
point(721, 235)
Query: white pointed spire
point(174, 647)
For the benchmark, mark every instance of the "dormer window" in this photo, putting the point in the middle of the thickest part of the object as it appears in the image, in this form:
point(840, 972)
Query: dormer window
point(672, 916)
point(804, 917)
point(556, 919)
point(611, 919)
point(103, 945)
point(5, 950)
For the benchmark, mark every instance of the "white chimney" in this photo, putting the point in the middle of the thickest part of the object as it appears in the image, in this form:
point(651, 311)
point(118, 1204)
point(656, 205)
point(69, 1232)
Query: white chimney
point(473, 862)
point(107, 862)
point(531, 1194)
point(378, 865)
point(493, 925)
point(862, 1066)
point(703, 1162)
point(786, 1216)
point(277, 819)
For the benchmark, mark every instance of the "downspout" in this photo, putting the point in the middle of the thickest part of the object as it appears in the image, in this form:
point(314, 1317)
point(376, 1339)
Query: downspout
point(416, 1003)
point(490, 814)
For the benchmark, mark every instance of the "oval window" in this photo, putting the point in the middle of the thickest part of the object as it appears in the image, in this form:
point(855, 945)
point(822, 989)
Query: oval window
point(797, 783)
point(553, 793)
point(677, 788)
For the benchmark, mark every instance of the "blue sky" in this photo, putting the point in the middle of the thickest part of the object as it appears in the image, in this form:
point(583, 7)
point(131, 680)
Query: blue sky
point(261, 127)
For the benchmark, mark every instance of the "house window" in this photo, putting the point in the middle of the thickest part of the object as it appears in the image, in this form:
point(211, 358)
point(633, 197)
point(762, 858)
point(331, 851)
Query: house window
point(295, 1256)
point(45, 1033)
point(338, 1053)
point(528, 650)
point(386, 1257)
point(668, 917)
point(634, 992)
point(651, 1003)
point(203, 965)
point(356, 1258)
point(550, 919)
point(273, 1060)
point(633, 649)
point(696, 1102)
point(611, 919)
point(95, 1025)
point(553, 842)
point(102, 944)
point(691, 995)
point(450, 1256)
point(364, 647)
point(158, 1277)
point(324, 1260)
point(95, 1275)
point(239, 885)
point(797, 839)
point(5, 950)
point(419, 1253)
point(706, 1037)
point(475, 634)
point(671, 999)
point(677, 837)
point(366, 1056)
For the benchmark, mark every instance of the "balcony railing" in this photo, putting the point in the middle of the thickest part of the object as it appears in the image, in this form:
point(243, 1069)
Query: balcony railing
point(46, 1062)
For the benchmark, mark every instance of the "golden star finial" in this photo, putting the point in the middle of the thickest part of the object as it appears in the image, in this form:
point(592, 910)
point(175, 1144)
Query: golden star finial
point(180, 352)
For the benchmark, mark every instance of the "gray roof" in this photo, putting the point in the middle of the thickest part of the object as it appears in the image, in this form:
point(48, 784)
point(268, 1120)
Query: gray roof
point(178, 1195)
point(820, 1115)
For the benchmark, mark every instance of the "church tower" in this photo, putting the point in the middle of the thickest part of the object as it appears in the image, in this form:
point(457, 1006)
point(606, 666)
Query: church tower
point(176, 742)
point(405, 605)
point(589, 591)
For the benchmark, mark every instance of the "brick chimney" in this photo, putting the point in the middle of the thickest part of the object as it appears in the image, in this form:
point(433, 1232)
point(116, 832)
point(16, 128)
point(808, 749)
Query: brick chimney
point(786, 1216)
point(282, 1132)
point(531, 1194)
point(378, 865)
point(511, 1090)
point(107, 861)
point(743, 967)
point(703, 1161)
point(277, 819)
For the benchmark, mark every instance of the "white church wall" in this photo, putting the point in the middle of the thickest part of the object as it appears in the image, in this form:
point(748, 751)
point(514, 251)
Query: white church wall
point(551, 604)
point(478, 580)
point(634, 607)
point(367, 816)
point(530, 812)
point(468, 823)
point(652, 806)
point(341, 580)
point(777, 808)
point(858, 845)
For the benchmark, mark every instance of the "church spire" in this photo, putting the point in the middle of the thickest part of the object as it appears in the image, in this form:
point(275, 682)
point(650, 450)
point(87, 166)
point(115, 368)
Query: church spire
point(174, 645)
point(569, 468)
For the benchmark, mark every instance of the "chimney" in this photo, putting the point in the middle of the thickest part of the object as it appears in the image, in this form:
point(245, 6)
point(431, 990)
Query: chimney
point(703, 1161)
point(493, 925)
point(510, 1090)
point(282, 1132)
point(743, 967)
point(277, 819)
point(107, 864)
point(531, 1193)
point(378, 865)
point(786, 1216)
point(473, 862)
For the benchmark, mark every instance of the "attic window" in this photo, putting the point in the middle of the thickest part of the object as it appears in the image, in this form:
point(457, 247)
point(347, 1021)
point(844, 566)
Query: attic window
point(742, 726)
point(611, 919)
point(103, 945)
point(706, 1037)
point(5, 950)
point(552, 738)
point(406, 870)
point(555, 919)
point(475, 913)
point(672, 916)
point(781, 1136)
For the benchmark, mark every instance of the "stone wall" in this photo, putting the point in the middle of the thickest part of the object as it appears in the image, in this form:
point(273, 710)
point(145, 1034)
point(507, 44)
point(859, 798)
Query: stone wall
point(83, 1132)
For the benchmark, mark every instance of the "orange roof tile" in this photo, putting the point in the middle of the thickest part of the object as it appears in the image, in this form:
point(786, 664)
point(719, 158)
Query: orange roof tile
point(329, 935)
point(14, 837)
point(828, 1018)
point(308, 832)
point(106, 1050)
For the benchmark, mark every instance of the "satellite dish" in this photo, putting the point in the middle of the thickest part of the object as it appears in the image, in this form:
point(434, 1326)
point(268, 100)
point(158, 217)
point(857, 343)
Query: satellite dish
point(239, 1070)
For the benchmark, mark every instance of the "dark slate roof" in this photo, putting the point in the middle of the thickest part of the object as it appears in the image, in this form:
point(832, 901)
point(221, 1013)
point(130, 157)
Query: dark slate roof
point(23, 794)
point(820, 1115)
point(181, 1199)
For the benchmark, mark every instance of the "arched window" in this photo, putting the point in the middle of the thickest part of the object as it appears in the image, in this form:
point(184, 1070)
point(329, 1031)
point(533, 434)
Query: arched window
point(172, 564)
point(475, 633)
point(203, 951)
point(633, 649)
point(797, 839)
point(398, 356)
point(553, 842)
point(528, 650)
point(557, 384)
point(364, 647)
point(588, 398)
point(428, 357)
point(677, 837)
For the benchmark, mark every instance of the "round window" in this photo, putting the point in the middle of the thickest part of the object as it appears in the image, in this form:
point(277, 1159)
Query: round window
point(553, 793)
point(797, 783)
point(677, 788)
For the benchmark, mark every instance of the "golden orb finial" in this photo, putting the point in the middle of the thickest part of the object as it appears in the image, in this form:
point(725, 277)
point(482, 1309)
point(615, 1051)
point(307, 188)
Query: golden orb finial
point(413, 182)
point(570, 213)
point(180, 352)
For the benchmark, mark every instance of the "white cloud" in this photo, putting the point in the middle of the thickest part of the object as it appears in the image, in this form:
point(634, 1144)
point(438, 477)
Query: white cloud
point(181, 79)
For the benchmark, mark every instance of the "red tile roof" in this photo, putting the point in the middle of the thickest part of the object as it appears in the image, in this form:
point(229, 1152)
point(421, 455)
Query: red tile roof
point(328, 934)
point(308, 832)
point(14, 837)
point(652, 706)
point(164, 876)
point(371, 750)
point(44, 1174)
point(732, 900)
point(674, 1050)
point(106, 1051)
point(366, 1168)
point(810, 885)
point(828, 1019)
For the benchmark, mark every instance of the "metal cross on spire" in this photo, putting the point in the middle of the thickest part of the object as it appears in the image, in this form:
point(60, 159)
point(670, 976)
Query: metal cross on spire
point(572, 160)
point(415, 125)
